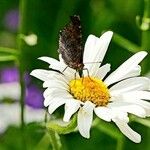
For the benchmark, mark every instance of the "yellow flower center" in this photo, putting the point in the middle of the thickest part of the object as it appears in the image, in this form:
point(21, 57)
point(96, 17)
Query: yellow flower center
point(90, 89)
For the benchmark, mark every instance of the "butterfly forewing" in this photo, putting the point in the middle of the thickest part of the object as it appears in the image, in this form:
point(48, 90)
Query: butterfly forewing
point(70, 44)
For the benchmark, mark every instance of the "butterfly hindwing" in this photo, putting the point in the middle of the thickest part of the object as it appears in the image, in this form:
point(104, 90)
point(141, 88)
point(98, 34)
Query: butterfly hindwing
point(70, 44)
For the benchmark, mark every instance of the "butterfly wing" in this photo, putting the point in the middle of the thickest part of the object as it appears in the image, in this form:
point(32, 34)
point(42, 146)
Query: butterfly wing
point(70, 44)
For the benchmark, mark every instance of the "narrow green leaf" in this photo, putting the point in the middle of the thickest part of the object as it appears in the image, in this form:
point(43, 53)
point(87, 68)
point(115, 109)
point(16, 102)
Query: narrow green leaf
point(44, 143)
point(107, 128)
point(7, 58)
point(123, 42)
point(9, 50)
point(55, 140)
point(145, 122)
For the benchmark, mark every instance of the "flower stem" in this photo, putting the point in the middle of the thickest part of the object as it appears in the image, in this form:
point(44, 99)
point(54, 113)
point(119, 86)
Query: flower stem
point(55, 140)
point(120, 143)
point(44, 143)
point(21, 66)
point(21, 71)
point(145, 27)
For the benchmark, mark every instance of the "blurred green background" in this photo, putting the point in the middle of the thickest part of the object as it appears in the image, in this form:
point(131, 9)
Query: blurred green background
point(46, 18)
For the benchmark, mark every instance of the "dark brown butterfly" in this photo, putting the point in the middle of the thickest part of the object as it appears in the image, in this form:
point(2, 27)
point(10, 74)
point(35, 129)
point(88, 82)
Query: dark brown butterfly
point(70, 44)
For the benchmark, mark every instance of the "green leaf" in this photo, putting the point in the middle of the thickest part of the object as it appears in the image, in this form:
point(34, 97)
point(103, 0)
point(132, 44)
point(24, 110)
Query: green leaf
point(62, 129)
point(43, 143)
point(107, 128)
point(7, 58)
point(55, 140)
point(125, 43)
point(145, 122)
point(9, 50)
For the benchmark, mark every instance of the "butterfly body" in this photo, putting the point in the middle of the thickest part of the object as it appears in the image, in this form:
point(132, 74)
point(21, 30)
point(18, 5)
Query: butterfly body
point(70, 44)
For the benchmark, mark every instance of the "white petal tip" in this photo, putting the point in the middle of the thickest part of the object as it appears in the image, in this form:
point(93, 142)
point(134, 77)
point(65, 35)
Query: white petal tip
point(42, 58)
point(143, 52)
point(138, 141)
point(50, 111)
point(66, 119)
point(34, 73)
point(46, 104)
point(87, 136)
point(108, 34)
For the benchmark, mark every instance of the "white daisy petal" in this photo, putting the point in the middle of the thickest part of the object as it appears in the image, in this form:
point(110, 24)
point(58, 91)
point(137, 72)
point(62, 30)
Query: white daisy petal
point(54, 63)
point(55, 84)
point(60, 66)
point(89, 46)
point(125, 98)
point(128, 107)
point(70, 108)
point(133, 73)
point(131, 84)
point(116, 113)
point(142, 103)
point(46, 75)
point(41, 74)
point(121, 72)
point(85, 117)
point(59, 94)
point(145, 95)
point(127, 131)
point(103, 113)
point(102, 71)
point(95, 49)
point(57, 102)
point(50, 91)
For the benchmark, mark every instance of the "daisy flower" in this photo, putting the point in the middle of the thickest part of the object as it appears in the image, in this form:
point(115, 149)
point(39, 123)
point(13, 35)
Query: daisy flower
point(110, 97)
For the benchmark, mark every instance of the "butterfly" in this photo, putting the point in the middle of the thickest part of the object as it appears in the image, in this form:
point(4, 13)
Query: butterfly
point(70, 44)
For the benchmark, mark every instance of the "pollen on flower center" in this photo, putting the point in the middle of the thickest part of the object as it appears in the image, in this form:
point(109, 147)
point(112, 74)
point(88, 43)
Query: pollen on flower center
point(90, 89)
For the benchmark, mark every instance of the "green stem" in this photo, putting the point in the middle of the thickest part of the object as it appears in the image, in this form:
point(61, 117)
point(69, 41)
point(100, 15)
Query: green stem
point(22, 84)
point(55, 140)
point(145, 27)
point(146, 23)
point(21, 67)
point(120, 143)
point(21, 70)
point(44, 143)
point(123, 42)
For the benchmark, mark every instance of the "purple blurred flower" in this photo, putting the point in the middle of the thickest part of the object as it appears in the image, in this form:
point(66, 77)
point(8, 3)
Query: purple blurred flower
point(11, 74)
point(11, 19)
point(34, 96)
point(8, 75)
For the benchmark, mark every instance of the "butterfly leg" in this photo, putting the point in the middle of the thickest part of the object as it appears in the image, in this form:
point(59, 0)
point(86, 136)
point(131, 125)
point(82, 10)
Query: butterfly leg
point(64, 69)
